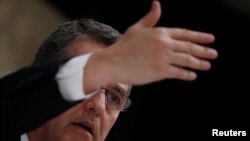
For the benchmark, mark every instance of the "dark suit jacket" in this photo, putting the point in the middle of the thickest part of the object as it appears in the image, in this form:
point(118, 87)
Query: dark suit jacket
point(29, 97)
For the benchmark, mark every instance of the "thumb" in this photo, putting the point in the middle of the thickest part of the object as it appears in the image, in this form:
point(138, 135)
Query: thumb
point(152, 17)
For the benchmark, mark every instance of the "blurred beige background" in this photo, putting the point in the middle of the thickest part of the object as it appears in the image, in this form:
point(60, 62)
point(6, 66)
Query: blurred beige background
point(24, 24)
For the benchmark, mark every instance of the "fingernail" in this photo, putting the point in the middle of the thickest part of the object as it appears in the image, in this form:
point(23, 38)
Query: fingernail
point(213, 53)
point(205, 65)
point(193, 75)
point(211, 36)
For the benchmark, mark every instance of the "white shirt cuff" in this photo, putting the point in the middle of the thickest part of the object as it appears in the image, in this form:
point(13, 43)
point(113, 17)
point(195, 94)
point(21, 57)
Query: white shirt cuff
point(24, 137)
point(70, 78)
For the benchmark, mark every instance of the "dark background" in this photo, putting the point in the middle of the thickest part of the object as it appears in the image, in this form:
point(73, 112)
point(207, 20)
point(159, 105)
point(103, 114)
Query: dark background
point(218, 99)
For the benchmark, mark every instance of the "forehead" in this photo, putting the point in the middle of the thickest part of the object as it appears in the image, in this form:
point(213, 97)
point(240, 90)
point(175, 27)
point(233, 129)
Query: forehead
point(81, 46)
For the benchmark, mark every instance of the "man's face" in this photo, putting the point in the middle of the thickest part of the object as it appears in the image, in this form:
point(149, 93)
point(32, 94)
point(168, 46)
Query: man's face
point(90, 120)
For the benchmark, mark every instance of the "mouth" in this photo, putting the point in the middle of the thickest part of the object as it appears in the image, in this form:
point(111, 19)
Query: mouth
point(84, 127)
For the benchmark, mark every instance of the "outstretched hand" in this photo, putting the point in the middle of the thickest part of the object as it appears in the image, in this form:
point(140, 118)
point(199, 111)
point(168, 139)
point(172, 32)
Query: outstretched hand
point(147, 53)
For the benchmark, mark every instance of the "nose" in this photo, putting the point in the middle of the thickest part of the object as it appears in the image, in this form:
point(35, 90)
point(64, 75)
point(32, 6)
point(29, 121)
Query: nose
point(96, 105)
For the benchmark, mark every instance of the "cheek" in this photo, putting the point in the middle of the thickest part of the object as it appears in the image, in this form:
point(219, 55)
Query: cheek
point(107, 124)
point(112, 119)
point(59, 127)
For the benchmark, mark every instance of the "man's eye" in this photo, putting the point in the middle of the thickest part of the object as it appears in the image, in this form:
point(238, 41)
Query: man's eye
point(113, 98)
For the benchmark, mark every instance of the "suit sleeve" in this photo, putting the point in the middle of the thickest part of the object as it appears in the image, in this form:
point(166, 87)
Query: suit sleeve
point(31, 96)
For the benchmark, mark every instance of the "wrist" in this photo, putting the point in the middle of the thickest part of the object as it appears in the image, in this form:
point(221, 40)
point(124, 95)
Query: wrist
point(97, 71)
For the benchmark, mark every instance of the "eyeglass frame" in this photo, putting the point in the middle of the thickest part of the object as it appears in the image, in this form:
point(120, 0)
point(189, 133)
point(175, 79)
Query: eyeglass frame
point(127, 102)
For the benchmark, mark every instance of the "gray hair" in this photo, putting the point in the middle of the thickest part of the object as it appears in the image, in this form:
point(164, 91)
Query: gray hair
point(56, 46)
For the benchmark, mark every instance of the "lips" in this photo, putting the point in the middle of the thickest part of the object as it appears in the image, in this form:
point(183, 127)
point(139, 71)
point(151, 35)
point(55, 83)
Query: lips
point(84, 125)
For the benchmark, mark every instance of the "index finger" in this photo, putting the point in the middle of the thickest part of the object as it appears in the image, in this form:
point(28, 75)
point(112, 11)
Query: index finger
point(191, 36)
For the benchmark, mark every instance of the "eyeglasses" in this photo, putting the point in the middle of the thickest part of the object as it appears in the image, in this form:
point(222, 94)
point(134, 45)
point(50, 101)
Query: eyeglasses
point(115, 100)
